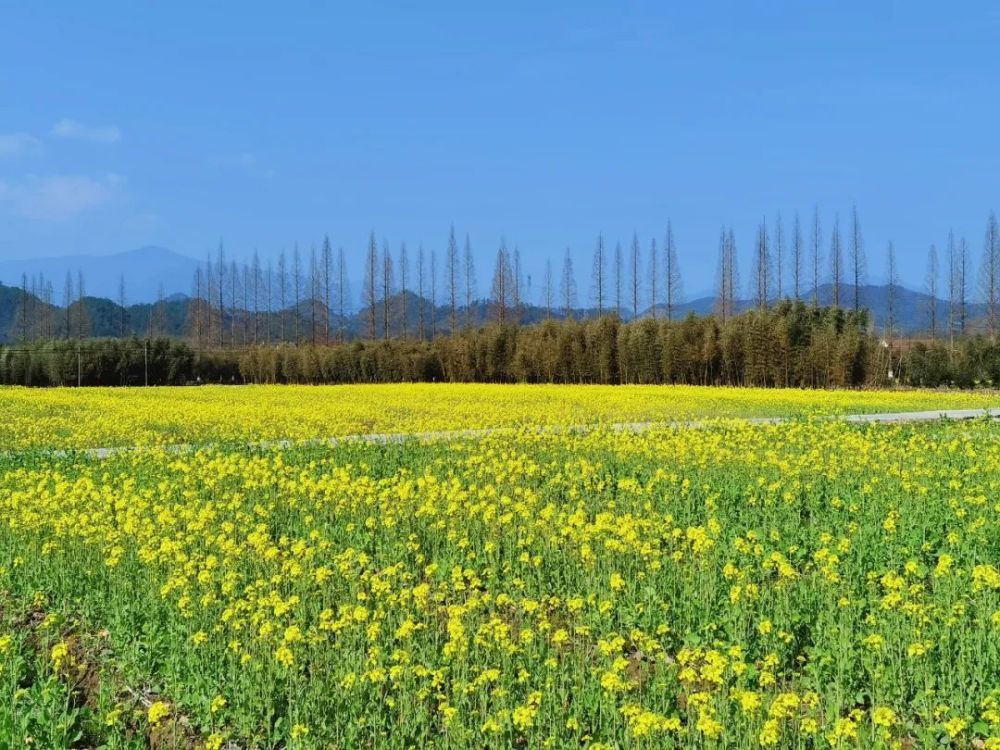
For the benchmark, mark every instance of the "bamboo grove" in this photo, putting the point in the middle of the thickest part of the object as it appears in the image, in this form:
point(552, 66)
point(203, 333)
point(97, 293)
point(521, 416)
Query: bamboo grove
point(787, 345)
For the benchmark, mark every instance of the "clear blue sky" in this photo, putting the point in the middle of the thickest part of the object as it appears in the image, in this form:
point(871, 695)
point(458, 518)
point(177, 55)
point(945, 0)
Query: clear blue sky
point(123, 124)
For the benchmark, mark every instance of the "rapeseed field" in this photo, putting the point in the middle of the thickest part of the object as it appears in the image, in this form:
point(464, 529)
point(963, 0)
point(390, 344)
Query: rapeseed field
point(808, 584)
point(106, 417)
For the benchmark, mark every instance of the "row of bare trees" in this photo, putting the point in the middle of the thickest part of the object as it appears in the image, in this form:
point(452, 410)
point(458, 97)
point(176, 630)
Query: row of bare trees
point(793, 267)
point(954, 321)
point(307, 298)
point(254, 303)
point(620, 281)
point(38, 317)
point(802, 264)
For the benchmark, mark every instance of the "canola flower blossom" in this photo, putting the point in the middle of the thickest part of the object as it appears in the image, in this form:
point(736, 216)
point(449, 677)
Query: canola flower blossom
point(798, 585)
point(109, 417)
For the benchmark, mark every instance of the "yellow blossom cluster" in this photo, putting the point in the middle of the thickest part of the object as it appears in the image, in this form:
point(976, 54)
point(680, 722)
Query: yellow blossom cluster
point(805, 584)
point(103, 417)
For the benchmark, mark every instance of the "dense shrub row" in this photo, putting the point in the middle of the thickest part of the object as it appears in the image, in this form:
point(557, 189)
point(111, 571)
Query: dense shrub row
point(790, 345)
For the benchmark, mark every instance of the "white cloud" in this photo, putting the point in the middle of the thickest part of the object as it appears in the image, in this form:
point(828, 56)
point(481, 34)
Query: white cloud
point(67, 128)
point(59, 197)
point(18, 144)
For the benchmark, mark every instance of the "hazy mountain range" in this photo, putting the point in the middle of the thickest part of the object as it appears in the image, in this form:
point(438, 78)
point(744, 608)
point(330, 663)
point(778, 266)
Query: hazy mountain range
point(150, 269)
point(144, 269)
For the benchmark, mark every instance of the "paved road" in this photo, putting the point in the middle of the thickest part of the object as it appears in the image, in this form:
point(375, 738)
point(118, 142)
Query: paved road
point(924, 416)
point(887, 418)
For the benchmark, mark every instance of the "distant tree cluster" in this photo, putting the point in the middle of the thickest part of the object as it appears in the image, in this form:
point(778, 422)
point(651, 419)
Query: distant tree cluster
point(304, 298)
point(109, 362)
point(791, 344)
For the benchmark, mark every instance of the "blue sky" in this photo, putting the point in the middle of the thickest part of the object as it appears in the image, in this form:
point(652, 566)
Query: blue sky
point(123, 124)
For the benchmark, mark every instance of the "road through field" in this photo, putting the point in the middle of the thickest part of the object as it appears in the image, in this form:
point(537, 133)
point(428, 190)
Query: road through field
point(394, 437)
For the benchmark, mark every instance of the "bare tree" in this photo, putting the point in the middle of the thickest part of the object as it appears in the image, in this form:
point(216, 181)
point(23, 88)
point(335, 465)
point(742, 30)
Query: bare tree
point(434, 297)
point(568, 287)
point(421, 302)
point(314, 293)
point(654, 272)
point(296, 290)
point(734, 273)
point(387, 288)
point(282, 296)
point(989, 276)
point(728, 280)
point(892, 281)
point(343, 294)
point(233, 289)
point(963, 283)
point(23, 314)
point(517, 286)
point(26, 308)
point(451, 278)
point(404, 273)
point(470, 281)
point(817, 240)
point(220, 268)
point(68, 299)
point(269, 299)
point(836, 261)
point(722, 280)
point(327, 273)
point(32, 304)
point(503, 283)
point(619, 271)
point(857, 257)
point(23, 321)
point(210, 319)
point(762, 267)
point(779, 257)
point(952, 288)
point(198, 307)
point(247, 288)
point(123, 304)
point(255, 273)
point(797, 258)
point(547, 286)
point(635, 257)
point(49, 295)
point(599, 274)
point(82, 315)
point(371, 283)
point(673, 272)
point(932, 289)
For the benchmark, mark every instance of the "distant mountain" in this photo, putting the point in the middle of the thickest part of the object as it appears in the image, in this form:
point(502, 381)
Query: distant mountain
point(911, 308)
point(144, 269)
point(174, 317)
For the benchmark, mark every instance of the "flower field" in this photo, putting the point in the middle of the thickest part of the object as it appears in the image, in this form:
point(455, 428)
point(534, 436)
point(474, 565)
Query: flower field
point(99, 417)
point(808, 584)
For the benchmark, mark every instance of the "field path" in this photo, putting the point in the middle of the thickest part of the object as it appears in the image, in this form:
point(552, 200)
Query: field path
point(397, 437)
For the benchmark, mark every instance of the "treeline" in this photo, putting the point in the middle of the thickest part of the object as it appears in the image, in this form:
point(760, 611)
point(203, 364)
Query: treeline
point(110, 362)
point(789, 345)
point(306, 299)
point(792, 344)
